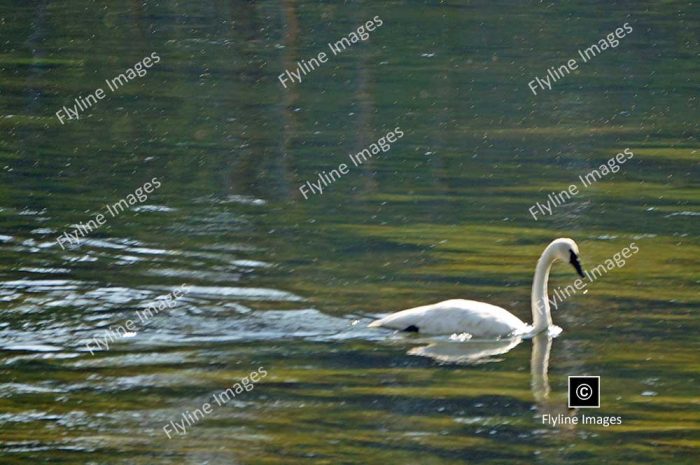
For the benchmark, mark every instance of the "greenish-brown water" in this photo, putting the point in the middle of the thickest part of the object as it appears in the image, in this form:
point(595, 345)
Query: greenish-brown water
point(289, 284)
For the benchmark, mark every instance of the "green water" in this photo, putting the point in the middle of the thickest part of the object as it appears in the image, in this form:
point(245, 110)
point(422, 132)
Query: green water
point(288, 284)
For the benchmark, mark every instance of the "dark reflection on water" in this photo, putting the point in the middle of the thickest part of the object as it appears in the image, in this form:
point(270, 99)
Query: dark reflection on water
point(288, 284)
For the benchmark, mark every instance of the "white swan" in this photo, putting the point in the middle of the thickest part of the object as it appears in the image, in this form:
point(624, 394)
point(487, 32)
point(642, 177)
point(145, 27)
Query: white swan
point(486, 321)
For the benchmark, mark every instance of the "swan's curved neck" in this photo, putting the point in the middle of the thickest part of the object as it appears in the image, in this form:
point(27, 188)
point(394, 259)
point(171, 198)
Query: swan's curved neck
point(541, 316)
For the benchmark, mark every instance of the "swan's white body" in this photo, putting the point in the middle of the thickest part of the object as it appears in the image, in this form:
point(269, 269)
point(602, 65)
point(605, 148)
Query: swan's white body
point(479, 319)
point(482, 320)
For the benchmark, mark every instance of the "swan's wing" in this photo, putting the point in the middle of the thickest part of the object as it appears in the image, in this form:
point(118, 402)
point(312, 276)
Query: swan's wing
point(455, 316)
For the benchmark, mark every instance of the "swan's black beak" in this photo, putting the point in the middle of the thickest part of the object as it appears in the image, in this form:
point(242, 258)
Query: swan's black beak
point(575, 263)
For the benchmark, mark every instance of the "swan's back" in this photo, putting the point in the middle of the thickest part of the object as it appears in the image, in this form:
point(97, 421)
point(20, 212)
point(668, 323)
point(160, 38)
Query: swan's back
point(479, 319)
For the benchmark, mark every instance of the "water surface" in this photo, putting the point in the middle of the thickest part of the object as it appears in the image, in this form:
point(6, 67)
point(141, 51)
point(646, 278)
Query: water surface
point(288, 284)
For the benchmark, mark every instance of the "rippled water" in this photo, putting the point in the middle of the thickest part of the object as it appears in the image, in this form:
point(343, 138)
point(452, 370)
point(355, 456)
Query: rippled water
point(288, 284)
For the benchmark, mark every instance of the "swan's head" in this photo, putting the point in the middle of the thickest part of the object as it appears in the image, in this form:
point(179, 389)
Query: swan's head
point(566, 250)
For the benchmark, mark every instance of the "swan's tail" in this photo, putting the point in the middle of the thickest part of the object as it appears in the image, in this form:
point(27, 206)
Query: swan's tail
point(397, 320)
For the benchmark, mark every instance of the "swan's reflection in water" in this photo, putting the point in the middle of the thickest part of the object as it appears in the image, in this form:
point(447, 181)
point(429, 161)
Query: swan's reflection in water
point(539, 367)
point(469, 352)
point(472, 352)
point(539, 382)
